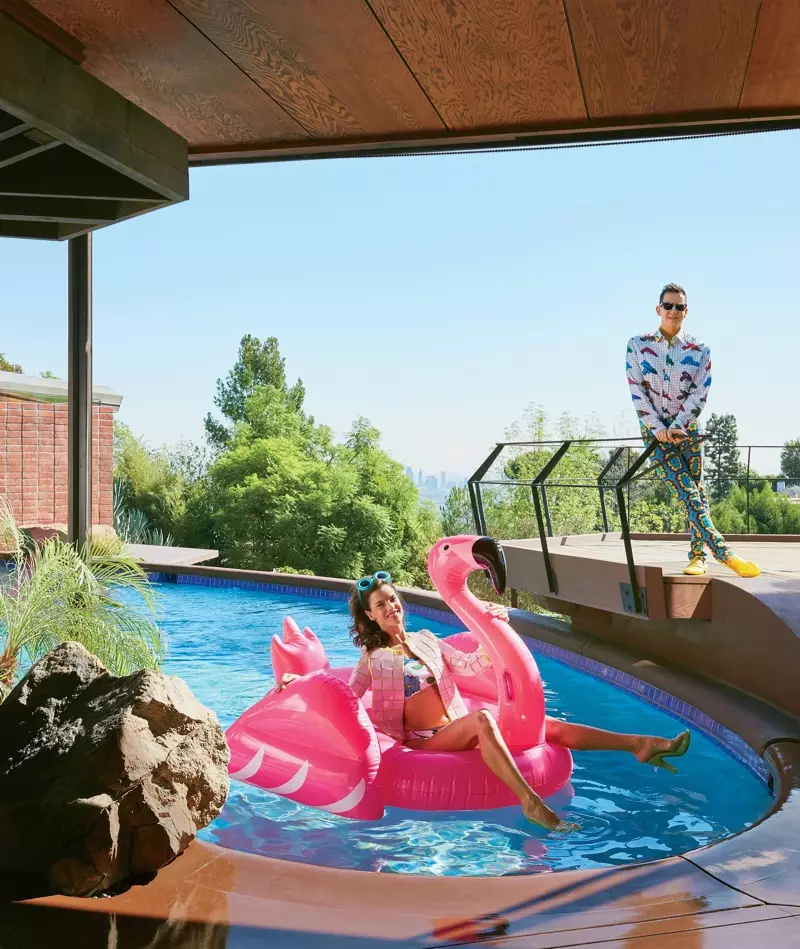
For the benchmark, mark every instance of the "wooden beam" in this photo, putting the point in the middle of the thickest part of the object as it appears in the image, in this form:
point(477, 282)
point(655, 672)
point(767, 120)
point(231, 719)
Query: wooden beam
point(21, 147)
point(10, 125)
point(66, 173)
point(41, 86)
point(65, 210)
point(32, 230)
point(43, 27)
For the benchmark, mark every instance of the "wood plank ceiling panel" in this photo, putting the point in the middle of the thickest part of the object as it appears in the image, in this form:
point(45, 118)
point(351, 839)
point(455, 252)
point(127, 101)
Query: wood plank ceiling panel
point(639, 57)
point(488, 63)
point(327, 62)
point(773, 76)
point(149, 53)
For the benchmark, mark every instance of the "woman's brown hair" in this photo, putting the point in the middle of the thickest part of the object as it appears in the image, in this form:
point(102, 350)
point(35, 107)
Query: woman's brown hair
point(365, 632)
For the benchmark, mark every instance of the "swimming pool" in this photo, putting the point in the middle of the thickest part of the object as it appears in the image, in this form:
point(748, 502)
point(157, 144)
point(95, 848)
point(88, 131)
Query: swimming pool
point(219, 643)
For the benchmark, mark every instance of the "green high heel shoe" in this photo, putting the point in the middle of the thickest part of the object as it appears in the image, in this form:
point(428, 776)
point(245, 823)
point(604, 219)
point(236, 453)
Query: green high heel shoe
point(678, 748)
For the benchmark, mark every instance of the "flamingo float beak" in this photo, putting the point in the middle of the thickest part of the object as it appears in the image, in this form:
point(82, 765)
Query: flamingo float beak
point(488, 554)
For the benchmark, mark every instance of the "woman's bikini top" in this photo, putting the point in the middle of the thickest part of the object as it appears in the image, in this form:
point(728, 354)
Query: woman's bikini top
point(416, 676)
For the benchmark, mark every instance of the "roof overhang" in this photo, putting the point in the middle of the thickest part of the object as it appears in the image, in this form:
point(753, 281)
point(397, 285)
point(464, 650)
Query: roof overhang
point(277, 80)
point(74, 154)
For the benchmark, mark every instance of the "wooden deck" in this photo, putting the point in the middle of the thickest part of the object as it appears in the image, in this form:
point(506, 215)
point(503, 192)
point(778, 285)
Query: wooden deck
point(591, 570)
point(170, 556)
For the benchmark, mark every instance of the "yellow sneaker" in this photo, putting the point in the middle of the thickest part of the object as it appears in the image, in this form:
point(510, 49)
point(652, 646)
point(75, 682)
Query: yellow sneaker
point(743, 568)
point(696, 567)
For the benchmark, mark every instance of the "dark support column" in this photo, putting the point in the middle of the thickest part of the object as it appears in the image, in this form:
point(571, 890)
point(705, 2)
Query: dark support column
point(80, 388)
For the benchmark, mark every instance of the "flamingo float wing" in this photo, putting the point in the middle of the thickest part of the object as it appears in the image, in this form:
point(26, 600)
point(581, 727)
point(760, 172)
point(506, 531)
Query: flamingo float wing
point(313, 743)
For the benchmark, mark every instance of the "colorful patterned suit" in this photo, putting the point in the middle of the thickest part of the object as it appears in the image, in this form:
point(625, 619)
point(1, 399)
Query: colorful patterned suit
point(669, 383)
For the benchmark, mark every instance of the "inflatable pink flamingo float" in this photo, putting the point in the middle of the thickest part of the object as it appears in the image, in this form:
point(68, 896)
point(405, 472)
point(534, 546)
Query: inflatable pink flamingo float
point(315, 743)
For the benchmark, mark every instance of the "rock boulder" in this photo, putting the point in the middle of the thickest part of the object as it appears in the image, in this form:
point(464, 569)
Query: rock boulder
point(103, 779)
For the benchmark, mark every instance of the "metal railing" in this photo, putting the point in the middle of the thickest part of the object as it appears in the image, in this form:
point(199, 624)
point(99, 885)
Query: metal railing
point(634, 471)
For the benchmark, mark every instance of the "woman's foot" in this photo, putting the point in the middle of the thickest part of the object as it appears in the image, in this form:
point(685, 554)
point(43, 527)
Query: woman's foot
point(742, 568)
point(537, 812)
point(696, 567)
point(650, 749)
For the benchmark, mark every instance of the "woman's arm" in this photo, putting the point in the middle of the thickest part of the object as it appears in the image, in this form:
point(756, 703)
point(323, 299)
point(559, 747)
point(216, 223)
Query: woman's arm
point(465, 663)
point(361, 677)
point(472, 663)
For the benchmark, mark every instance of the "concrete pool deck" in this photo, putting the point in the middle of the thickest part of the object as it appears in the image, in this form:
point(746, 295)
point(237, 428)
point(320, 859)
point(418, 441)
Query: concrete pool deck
point(740, 892)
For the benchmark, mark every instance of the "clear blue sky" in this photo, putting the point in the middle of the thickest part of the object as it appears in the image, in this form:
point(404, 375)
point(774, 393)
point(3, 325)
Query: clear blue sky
point(439, 296)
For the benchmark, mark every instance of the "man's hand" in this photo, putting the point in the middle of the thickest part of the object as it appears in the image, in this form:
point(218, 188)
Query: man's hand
point(663, 436)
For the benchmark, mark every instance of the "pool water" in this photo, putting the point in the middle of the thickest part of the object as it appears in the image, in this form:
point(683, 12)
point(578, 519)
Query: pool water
point(219, 642)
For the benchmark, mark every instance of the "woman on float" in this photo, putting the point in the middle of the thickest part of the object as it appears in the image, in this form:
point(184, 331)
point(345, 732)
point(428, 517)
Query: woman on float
point(413, 691)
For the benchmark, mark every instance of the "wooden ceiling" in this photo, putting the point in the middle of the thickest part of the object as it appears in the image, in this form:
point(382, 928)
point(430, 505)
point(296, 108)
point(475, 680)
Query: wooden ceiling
point(274, 79)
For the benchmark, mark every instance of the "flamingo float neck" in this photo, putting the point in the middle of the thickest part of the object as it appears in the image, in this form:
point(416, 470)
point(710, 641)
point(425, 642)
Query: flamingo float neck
point(521, 707)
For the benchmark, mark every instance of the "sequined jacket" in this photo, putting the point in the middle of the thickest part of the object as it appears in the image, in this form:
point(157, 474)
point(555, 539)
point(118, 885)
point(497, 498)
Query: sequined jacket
point(383, 670)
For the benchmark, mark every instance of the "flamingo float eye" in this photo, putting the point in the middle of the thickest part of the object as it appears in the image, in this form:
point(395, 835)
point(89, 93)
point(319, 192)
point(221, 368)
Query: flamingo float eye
point(446, 547)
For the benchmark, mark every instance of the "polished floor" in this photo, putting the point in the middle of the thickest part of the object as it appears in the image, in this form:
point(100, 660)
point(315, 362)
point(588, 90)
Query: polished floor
point(744, 892)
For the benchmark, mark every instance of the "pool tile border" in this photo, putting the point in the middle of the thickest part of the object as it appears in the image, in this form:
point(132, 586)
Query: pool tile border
point(682, 711)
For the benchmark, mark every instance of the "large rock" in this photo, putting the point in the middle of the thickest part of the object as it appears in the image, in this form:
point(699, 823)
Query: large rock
point(104, 779)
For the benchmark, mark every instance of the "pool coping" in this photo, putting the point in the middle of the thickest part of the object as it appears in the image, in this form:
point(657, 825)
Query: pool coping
point(752, 877)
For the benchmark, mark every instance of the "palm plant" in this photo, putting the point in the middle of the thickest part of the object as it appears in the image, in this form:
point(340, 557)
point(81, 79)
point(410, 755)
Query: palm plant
point(56, 593)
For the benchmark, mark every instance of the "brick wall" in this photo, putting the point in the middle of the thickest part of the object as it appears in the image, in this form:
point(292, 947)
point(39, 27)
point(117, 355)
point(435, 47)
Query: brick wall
point(33, 461)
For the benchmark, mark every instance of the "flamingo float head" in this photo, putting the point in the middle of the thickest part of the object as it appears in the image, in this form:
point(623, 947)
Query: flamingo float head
point(298, 652)
point(453, 559)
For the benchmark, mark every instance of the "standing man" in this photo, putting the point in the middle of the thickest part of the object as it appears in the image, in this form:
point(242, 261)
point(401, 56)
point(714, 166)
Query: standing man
point(669, 374)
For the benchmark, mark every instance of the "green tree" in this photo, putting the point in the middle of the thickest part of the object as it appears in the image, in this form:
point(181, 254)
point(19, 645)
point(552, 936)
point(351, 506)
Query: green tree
point(456, 513)
point(790, 460)
point(257, 365)
point(770, 512)
point(7, 366)
point(722, 465)
point(148, 481)
point(284, 495)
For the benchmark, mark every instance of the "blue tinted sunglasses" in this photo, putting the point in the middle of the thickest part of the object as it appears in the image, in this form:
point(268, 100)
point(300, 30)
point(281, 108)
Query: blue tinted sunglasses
point(365, 584)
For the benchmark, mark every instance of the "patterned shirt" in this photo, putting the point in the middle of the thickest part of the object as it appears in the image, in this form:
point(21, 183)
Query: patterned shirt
point(669, 381)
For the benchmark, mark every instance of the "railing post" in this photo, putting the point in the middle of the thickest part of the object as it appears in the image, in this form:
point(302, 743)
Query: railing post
point(474, 484)
point(481, 514)
point(602, 487)
point(546, 507)
point(623, 483)
point(536, 484)
point(747, 488)
point(626, 540)
point(552, 580)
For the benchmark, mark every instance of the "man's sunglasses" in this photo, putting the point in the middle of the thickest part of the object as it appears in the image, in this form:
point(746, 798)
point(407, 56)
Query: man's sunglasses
point(680, 307)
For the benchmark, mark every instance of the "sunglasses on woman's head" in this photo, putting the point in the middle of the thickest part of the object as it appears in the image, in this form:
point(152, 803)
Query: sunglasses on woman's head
point(680, 307)
point(365, 584)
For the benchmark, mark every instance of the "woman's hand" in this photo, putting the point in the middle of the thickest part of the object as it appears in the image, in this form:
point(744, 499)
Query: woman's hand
point(286, 679)
point(497, 611)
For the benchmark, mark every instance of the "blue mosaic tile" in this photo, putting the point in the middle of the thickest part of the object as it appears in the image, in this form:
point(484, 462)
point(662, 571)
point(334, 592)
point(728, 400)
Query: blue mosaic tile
point(715, 731)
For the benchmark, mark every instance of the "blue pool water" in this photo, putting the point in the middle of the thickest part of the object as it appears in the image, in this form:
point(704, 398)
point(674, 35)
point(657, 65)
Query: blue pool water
point(219, 643)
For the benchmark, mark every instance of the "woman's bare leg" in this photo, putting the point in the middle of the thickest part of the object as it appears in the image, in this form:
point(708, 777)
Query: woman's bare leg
point(585, 738)
point(461, 734)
